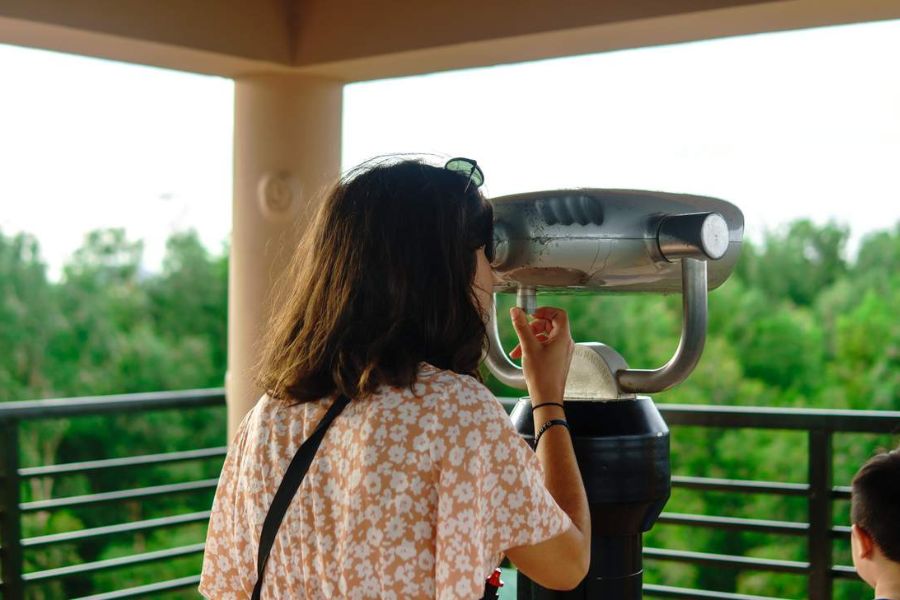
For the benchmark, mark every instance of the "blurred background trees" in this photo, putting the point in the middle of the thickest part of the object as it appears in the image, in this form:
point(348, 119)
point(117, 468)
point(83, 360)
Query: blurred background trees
point(798, 324)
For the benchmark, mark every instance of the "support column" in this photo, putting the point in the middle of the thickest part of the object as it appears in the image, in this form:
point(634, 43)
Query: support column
point(287, 149)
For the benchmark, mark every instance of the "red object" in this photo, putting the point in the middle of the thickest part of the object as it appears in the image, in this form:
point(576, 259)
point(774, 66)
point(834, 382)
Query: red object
point(494, 579)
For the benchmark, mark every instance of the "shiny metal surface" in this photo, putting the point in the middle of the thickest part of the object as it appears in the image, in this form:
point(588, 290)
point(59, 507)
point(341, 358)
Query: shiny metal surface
point(698, 235)
point(690, 346)
point(526, 298)
point(631, 381)
point(496, 358)
point(592, 374)
point(599, 240)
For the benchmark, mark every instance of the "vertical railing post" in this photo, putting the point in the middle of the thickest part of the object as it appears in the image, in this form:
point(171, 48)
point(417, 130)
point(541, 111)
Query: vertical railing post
point(819, 541)
point(10, 517)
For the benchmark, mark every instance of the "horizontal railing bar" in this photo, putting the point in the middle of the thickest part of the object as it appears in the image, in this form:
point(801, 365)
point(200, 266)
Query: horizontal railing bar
point(740, 485)
point(667, 591)
point(840, 531)
point(95, 532)
point(728, 560)
point(870, 421)
point(844, 572)
point(804, 419)
point(128, 461)
point(144, 590)
point(156, 490)
point(111, 563)
point(93, 405)
point(841, 492)
point(734, 523)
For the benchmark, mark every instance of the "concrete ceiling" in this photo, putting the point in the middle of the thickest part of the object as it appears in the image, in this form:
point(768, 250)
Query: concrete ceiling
point(356, 40)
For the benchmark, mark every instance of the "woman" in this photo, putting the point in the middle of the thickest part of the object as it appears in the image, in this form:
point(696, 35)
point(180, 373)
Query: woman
point(421, 483)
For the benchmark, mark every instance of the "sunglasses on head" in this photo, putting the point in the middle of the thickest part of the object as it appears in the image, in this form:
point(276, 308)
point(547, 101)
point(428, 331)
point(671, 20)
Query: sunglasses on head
point(473, 173)
point(467, 167)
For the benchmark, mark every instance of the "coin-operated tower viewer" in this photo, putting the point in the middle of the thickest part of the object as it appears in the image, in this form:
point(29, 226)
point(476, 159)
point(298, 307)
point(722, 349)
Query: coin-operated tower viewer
point(595, 241)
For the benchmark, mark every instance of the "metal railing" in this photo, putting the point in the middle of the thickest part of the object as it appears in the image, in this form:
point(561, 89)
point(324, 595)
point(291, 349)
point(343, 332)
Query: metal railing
point(12, 545)
point(819, 492)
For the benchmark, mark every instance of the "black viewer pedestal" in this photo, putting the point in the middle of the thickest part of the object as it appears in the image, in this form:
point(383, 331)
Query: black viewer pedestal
point(622, 447)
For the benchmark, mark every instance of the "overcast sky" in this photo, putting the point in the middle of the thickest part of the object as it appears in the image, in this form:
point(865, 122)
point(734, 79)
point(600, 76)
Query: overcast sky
point(788, 125)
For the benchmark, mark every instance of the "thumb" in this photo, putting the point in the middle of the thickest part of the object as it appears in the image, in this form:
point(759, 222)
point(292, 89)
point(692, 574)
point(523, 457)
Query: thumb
point(527, 340)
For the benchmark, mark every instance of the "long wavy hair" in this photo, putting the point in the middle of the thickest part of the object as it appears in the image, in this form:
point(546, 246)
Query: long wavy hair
point(381, 282)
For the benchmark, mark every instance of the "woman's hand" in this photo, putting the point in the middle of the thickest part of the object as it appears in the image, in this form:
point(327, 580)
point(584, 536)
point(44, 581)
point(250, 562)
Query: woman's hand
point(545, 347)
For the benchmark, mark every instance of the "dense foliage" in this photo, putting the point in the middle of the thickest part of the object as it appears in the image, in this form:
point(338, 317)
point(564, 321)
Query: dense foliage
point(797, 325)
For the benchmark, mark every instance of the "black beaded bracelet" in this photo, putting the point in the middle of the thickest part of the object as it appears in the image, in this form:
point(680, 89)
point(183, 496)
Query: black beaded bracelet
point(547, 426)
point(537, 406)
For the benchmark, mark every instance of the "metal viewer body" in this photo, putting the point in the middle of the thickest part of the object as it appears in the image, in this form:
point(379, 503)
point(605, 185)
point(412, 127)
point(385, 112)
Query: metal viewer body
point(612, 241)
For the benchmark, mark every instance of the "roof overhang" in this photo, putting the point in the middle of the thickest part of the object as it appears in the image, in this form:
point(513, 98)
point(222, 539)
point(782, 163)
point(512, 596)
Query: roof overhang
point(354, 40)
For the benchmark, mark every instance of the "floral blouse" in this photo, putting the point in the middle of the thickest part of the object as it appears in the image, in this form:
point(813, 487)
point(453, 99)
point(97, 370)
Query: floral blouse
point(413, 493)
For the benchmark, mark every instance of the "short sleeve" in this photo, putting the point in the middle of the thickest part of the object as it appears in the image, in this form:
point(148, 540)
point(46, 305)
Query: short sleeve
point(491, 492)
point(224, 572)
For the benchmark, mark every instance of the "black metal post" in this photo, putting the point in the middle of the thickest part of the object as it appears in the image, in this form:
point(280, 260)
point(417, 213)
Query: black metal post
point(622, 448)
point(819, 541)
point(10, 517)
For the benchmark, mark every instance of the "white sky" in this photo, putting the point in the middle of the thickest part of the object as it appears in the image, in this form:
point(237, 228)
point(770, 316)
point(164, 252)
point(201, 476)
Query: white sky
point(788, 125)
point(88, 143)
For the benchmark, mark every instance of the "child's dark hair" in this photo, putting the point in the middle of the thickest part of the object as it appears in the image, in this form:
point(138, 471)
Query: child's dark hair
point(876, 501)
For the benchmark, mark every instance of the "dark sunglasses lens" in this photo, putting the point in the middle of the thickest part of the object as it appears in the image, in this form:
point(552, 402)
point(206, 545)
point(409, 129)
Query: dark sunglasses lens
point(477, 177)
point(461, 165)
point(467, 168)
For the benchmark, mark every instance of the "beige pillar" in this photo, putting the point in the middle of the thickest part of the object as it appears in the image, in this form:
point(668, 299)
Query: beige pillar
point(287, 147)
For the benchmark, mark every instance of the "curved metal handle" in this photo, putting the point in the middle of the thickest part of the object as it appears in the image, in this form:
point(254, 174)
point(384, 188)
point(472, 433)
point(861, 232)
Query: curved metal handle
point(497, 361)
point(687, 355)
point(693, 337)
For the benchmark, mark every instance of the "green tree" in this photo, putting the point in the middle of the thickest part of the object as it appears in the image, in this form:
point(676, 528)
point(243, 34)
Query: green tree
point(188, 301)
point(28, 318)
point(798, 324)
point(797, 263)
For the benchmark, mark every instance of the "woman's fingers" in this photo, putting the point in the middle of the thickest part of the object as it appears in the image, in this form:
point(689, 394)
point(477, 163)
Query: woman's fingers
point(555, 320)
point(555, 317)
point(548, 324)
point(528, 341)
point(539, 328)
point(550, 313)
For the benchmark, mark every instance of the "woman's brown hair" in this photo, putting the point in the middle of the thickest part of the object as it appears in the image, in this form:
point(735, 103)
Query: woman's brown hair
point(381, 282)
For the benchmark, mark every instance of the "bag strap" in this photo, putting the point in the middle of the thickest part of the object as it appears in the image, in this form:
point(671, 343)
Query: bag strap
point(288, 489)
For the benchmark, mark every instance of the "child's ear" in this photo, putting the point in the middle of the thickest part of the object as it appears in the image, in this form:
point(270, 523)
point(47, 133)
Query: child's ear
point(866, 543)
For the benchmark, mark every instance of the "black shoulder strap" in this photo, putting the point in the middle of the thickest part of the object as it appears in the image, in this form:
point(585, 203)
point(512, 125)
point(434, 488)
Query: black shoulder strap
point(288, 489)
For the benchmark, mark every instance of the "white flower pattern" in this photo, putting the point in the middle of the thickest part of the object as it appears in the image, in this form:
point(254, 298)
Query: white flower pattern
point(412, 494)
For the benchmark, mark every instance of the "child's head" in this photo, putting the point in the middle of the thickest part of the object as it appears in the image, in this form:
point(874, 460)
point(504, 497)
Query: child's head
point(875, 512)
